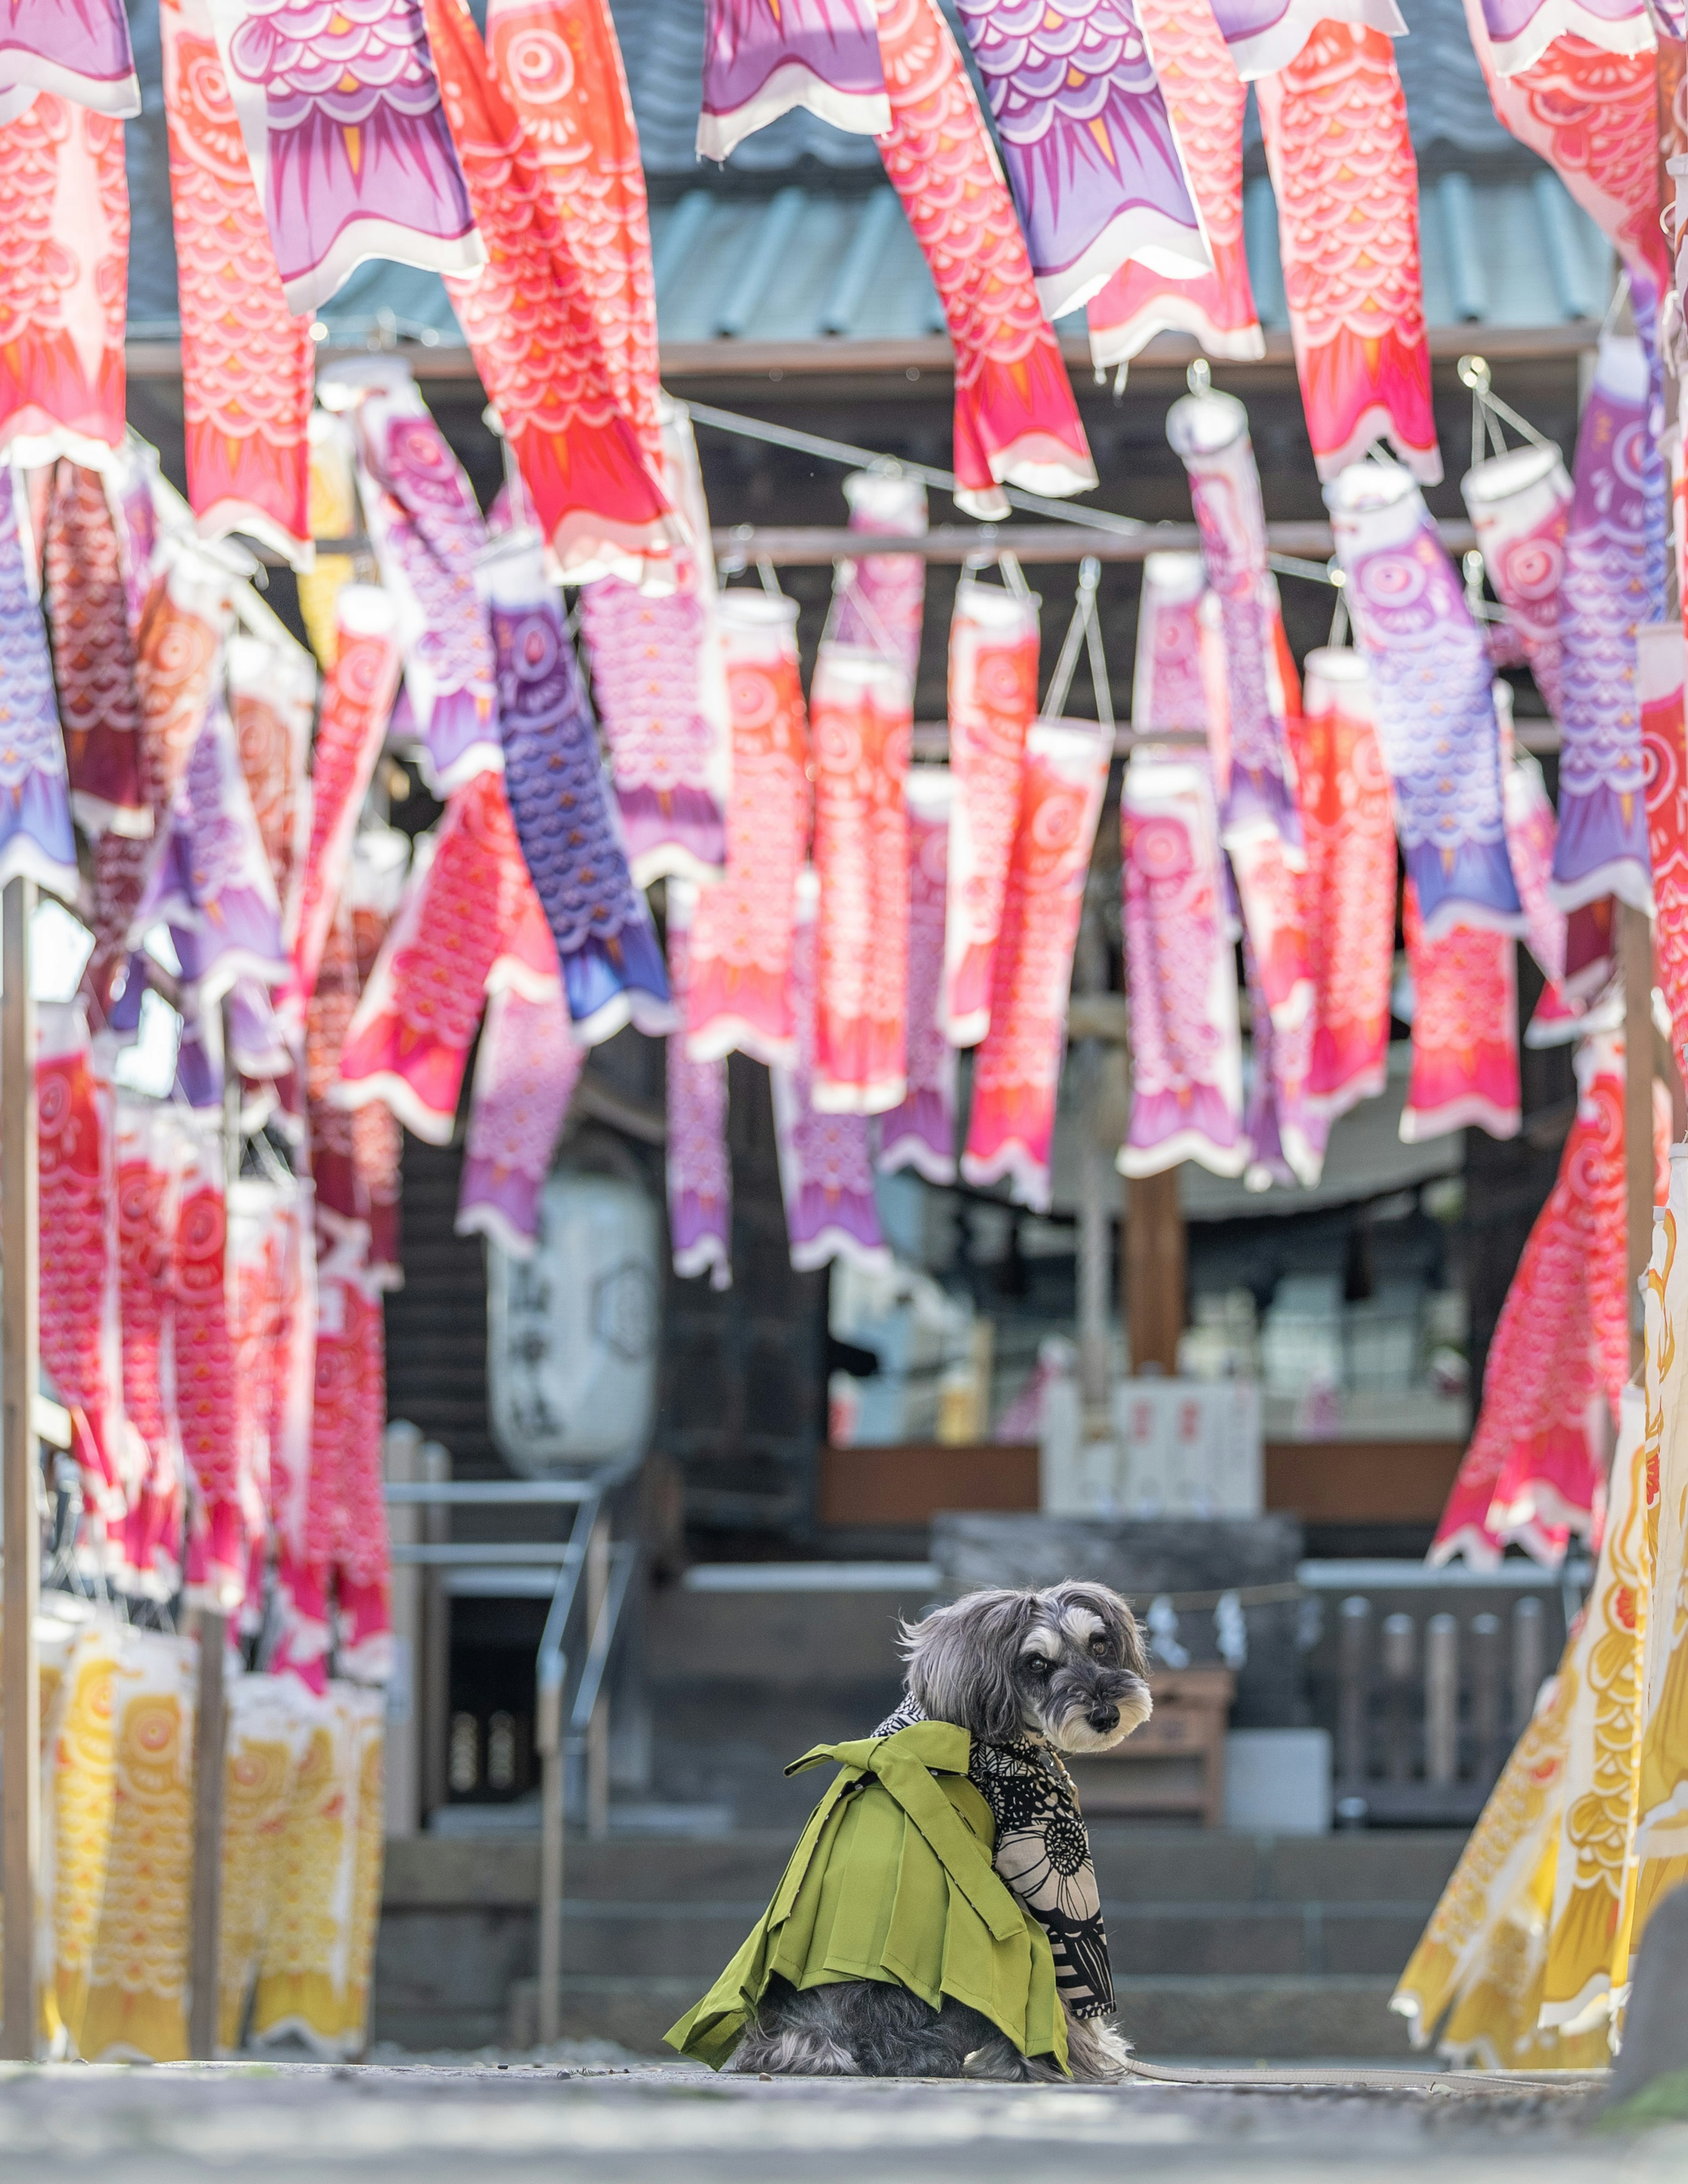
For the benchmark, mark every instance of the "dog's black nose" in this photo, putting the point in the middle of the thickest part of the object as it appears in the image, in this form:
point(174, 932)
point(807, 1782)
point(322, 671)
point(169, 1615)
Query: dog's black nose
point(1105, 1716)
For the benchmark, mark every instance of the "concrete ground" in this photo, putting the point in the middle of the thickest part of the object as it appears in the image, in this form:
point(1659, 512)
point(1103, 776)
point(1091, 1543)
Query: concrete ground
point(383, 2123)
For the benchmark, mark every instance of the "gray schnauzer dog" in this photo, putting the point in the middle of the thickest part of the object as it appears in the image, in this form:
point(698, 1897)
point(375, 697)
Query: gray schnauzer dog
point(1029, 1675)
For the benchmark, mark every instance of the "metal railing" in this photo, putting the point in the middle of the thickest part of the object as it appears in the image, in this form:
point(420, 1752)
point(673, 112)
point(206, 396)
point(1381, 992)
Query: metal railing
point(589, 1571)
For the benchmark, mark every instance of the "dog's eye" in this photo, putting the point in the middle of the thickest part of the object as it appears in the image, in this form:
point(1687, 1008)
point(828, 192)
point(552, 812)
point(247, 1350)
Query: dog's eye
point(1039, 1663)
point(1099, 1646)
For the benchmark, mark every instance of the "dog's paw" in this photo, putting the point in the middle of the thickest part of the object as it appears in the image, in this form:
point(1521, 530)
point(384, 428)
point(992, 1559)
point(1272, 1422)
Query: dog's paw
point(1097, 2050)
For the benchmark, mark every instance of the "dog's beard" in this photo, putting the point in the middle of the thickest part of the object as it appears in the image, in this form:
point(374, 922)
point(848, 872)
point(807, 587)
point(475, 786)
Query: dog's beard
point(1069, 1729)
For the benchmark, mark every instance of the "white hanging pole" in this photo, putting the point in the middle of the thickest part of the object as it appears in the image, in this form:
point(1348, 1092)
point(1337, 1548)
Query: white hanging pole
point(19, 1369)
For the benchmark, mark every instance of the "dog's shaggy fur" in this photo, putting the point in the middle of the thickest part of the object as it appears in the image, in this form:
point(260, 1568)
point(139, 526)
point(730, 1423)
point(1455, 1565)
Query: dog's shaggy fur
point(1063, 1667)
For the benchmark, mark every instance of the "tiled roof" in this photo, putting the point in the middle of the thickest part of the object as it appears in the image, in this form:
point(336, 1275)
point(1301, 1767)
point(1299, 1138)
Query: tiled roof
point(799, 238)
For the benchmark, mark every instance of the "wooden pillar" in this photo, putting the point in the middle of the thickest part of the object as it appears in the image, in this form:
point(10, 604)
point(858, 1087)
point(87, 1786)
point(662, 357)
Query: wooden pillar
point(208, 1743)
point(1155, 1270)
point(20, 1365)
point(402, 1447)
point(1635, 951)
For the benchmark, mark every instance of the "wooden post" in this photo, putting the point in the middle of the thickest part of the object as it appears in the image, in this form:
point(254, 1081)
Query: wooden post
point(1635, 947)
point(207, 1837)
point(1155, 1270)
point(403, 1454)
point(1354, 1672)
point(434, 1678)
point(548, 1738)
point(1441, 1700)
point(598, 1728)
point(20, 1365)
point(1400, 1668)
point(1529, 1660)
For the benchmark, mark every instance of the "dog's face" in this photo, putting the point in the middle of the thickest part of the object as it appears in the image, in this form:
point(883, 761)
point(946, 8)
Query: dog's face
point(1065, 1665)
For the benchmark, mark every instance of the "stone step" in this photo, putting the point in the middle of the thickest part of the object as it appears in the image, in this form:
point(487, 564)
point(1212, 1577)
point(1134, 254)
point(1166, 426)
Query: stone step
point(459, 1926)
point(1244, 2019)
point(1135, 1864)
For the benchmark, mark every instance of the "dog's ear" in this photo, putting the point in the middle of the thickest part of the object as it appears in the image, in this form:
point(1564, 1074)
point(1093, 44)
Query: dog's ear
point(1116, 1619)
point(961, 1661)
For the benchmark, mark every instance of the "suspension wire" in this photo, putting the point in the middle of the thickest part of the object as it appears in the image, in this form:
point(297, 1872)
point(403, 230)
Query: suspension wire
point(840, 451)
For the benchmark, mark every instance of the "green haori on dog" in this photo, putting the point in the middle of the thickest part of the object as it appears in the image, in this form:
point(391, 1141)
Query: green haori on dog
point(892, 1879)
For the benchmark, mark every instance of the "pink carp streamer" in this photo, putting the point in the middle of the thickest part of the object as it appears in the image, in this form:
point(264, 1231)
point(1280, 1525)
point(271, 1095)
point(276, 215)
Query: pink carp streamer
point(1435, 713)
point(1347, 187)
point(559, 66)
point(1264, 36)
point(272, 702)
point(1187, 1083)
point(1206, 98)
point(356, 698)
point(1531, 831)
point(661, 690)
point(699, 1168)
point(1012, 1127)
point(1348, 891)
point(1559, 1359)
point(993, 700)
point(532, 322)
point(1592, 114)
point(178, 651)
point(347, 140)
point(1179, 945)
point(427, 531)
point(1015, 421)
point(1520, 505)
point(921, 1132)
point(149, 1161)
point(408, 1045)
point(881, 599)
point(82, 1341)
point(826, 1169)
point(861, 723)
point(740, 938)
point(1605, 595)
point(272, 1311)
point(1665, 750)
point(63, 280)
point(1519, 32)
point(762, 58)
point(203, 1379)
point(1082, 119)
point(526, 1071)
point(78, 49)
point(1285, 1134)
point(1260, 824)
point(93, 655)
point(246, 362)
point(1210, 434)
point(1465, 1049)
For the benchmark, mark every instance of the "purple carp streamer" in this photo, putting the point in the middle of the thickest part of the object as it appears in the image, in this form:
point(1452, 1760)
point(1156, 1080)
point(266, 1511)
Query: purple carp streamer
point(78, 49)
point(613, 972)
point(36, 840)
point(1611, 588)
point(1094, 168)
point(762, 58)
point(345, 132)
point(1431, 671)
point(428, 534)
point(1265, 36)
point(826, 1170)
point(699, 1169)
